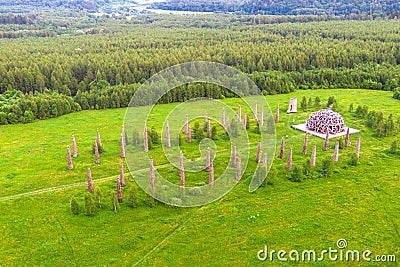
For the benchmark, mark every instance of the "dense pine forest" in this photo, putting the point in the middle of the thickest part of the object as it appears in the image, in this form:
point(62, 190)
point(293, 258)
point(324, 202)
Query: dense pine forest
point(270, 7)
point(100, 64)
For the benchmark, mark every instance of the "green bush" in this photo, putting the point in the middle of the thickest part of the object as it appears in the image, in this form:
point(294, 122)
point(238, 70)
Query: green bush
point(132, 199)
point(150, 201)
point(74, 206)
point(271, 177)
point(214, 132)
point(98, 196)
point(114, 202)
point(90, 208)
point(307, 167)
point(295, 175)
point(195, 191)
point(326, 168)
point(393, 147)
point(354, 160)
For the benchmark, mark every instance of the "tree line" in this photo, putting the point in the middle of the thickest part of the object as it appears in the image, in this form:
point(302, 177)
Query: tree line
point(103, 71)
point(271, 7)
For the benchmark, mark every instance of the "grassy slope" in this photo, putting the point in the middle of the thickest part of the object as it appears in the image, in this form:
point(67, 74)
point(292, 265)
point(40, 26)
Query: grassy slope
point(359, 203)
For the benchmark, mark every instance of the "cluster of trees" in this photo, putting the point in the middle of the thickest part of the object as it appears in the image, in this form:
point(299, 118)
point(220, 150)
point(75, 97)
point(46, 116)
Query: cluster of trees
point(304, 104)
point(98, 201)
point(365, 76)
point(376, 120)
point(260, 19)
point(28, 6)
point(272, 7)
point(288, 56)
point(103, 72)
point(16, 107)
point(16, 19)
point(101, 95)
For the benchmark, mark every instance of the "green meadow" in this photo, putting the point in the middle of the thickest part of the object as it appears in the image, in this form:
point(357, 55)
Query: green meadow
point(357, 203)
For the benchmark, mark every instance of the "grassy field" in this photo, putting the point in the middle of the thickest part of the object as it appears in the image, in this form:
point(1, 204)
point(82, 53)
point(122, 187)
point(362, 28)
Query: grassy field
point(359, 204)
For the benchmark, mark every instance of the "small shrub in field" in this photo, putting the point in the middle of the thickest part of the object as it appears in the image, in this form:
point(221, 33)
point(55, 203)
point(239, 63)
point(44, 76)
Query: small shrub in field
point(257, 128)
point(195, 191)
point(393, 147)
point(354, 160)
point(295, 175)
point(307, 167)
point(149, 141)
point(317, 102)
point(195, 129)
point(351, 107)
point(135, 137)
point(234, 128)
point(309, 104)
point(332, 101)
point(326, 168)
point(341, 143)
point(199, 135)
point(74, 206)
point(150, 201)
point(214, 133)
point(132, 199)
point(303, 103)
point(361, 111)
point(154, 136)
point(271, 177)
point(99, 148)
point(90, 208)
point(98, 198)
point(114, 202)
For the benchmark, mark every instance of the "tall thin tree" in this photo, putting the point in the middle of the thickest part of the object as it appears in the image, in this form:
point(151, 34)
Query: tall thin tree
point(358, 146)
point(90, 181)
point(314, 155)
point(96, 153)
point(211, 175)
point(326, 144)
point(305, 144)
point(119, 191)
point(74, 149)
point(347, 140)
point(122, 147)
point(70, 165)
point(258, 152)
point(290, 160)
point(336, 152)
point(238, 169)
point(181, 169)
point(121, 173)
point(146, 138)
point(282, 149)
